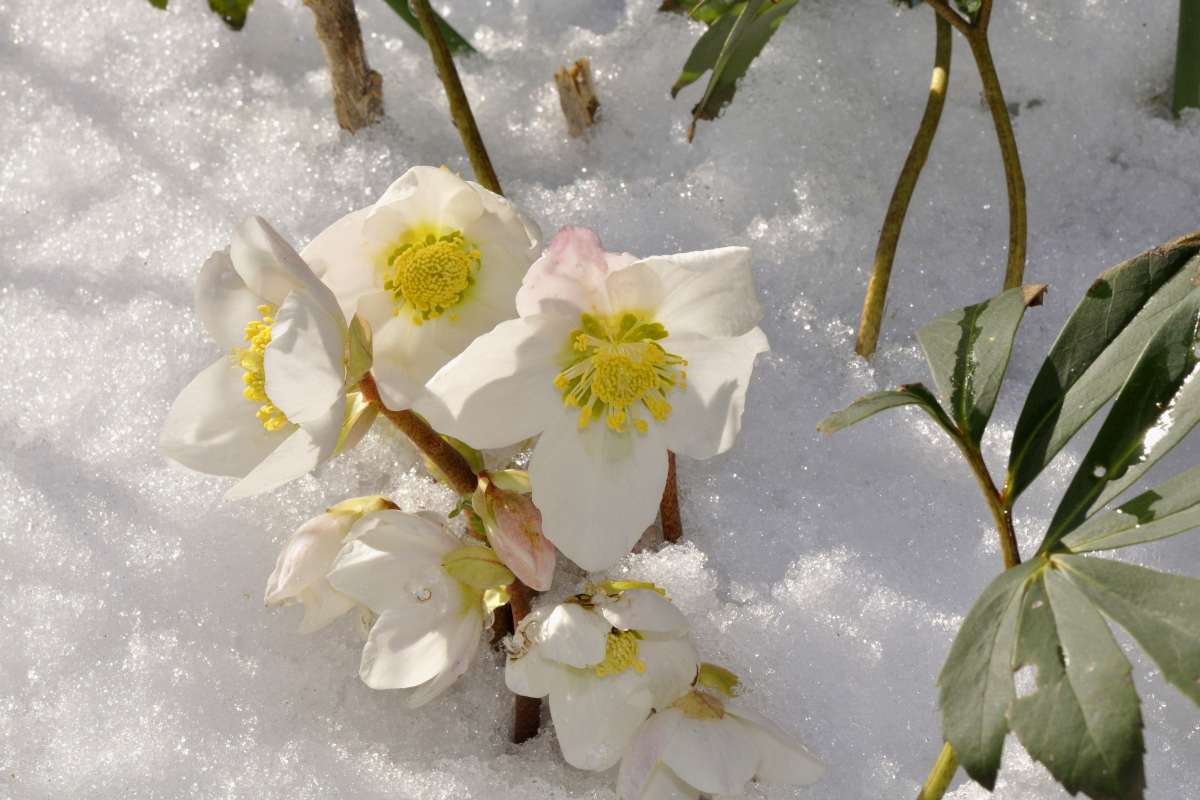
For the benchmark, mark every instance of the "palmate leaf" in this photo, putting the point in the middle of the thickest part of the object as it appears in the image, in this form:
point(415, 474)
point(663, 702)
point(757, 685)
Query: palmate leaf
point(1160, 611)
point(1081, 718)
point(231, 12)
point(1166, 510)
point(454, 40)
point(1095, 351)
point(734, 39)
point(968, 352)
point(1158, 405)
point(975, 686)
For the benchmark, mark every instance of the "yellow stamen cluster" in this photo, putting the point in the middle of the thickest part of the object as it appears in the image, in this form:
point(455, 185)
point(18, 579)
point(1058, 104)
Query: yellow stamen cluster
point(620, 654)
point(250, 359)
point(616, 366)
point(430, 276)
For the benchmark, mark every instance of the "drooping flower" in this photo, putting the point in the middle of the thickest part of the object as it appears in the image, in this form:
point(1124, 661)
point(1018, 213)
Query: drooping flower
point(614, 361)
point(306, 558)
point(278, 404)
point(513, 526)
point(435, 262)
point(704, 743)
point(429, 594)
point(605, 658)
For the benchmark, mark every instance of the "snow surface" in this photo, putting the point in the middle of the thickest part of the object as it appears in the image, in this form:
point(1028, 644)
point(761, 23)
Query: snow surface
point(136, 659)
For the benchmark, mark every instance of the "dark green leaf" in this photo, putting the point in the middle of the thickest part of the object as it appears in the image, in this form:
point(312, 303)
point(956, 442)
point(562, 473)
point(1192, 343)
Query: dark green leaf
point(454, 40)
point(1095, 350)
point(1161, 611)
point(1156, 407)
point(968, 351)
point(913, 394)
point(706, 11)
point(706, 52)
point(231, 12)
point(159, 4)
point(976, 683)
point(1166, 510)
point(755, 23)
point(1078, 714)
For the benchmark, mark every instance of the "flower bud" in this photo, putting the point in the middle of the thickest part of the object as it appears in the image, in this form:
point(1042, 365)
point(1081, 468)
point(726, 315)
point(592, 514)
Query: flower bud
point(514, 530)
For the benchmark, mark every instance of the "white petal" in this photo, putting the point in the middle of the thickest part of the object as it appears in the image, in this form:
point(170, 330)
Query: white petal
point(710, 293)
point(307, 556)
point(666, 785)
point(594, 718)
point(598, 491)
point(643, 610)
point(339, 255)
point(391, 568)
point(521, 231)
point(500, 390)
point(406, 648)
point(569, 277)
point(573, 635)
point(671, 666)
point(423, 195)
point(304, 365)
point(322, 605)
point(713, 755)
point(530, 675)
point(309, 445)
point(464, 642)
point(224, 302)
point(212, 427)
point(707, 415)
point(782, 759)
point(637, 287)
point(272, 268)
point(642, 756)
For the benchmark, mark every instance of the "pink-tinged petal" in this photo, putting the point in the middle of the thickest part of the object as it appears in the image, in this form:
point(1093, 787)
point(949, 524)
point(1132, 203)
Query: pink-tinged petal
point(517, 538)
point(224, 302)
point(212, 427)
point(500, 390)
point(710, 293)
point(568, 278)
point(597, 490)
point(706, 416)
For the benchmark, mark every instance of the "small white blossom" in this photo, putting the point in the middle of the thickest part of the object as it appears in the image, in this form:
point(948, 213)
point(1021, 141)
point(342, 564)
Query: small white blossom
point(605, 660)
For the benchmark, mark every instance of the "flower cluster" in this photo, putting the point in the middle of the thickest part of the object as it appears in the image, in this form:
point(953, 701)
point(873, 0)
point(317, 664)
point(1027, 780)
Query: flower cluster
point(437, 306)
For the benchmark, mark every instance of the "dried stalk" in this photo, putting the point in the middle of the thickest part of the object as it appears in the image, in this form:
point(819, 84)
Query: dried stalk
point(357, 89)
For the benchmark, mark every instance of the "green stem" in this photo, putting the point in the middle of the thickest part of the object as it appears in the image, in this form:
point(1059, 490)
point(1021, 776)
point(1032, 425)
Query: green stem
point(1014, 274)
point(906, 184)
point(460, 107)
point(1187, 57)
point(940, 776)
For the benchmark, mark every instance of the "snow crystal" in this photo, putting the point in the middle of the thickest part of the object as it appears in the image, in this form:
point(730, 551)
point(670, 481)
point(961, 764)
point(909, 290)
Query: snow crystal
point(830, 572)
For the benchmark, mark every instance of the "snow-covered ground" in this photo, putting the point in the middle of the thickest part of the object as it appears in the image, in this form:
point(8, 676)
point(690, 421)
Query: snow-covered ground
point(136, 659)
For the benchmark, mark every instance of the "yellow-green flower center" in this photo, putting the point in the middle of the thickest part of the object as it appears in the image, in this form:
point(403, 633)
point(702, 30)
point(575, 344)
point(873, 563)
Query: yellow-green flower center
point(617, 366)
point(430, 275)
point(250, 359)
point(620, 654)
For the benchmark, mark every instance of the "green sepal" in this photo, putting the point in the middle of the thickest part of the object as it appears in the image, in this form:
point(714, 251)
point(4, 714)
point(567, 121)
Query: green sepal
point(477, 566)
point(358, 350)
point(494, 598)
point(511, 480)
point(361, 506)
point(718, 679)
point(231, 12)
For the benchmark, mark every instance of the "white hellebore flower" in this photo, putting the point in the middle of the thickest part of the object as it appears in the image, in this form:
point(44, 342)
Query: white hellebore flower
point(605, 659)
point(706, 744)
point(299, 575)
point(428, 622)
point(435, 262)
point(277, 405)
point(614, 361)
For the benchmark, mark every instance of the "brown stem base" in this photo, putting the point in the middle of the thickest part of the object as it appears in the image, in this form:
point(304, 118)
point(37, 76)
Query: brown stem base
point(527, 711)
point(357, 89)
point(668, 509)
